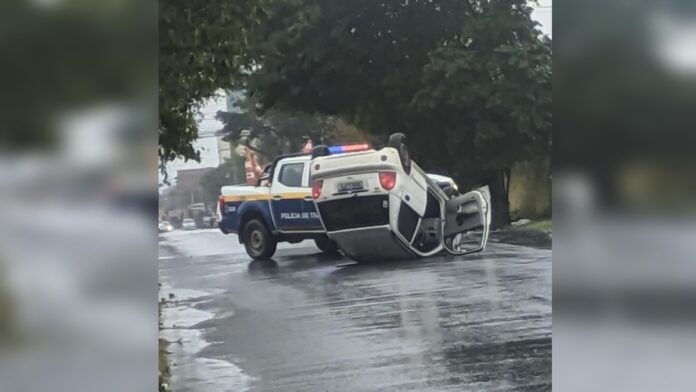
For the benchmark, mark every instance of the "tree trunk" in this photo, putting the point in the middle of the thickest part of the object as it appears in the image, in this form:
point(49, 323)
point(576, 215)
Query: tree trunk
point(500, 207)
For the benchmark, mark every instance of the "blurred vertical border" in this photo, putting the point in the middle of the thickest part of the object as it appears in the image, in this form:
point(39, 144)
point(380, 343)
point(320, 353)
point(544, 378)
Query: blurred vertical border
point(624, 189)
point(78, 195)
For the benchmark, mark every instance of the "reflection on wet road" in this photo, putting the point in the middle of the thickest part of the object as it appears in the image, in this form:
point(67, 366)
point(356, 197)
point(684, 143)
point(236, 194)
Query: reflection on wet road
point(307, 322)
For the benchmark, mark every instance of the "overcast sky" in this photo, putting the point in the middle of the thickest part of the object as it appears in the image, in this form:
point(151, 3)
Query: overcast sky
point(207, 124)
point(542, 13)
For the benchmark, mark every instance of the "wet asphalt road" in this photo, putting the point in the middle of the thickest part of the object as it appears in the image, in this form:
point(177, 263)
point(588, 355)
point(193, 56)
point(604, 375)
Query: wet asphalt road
point(307, 322)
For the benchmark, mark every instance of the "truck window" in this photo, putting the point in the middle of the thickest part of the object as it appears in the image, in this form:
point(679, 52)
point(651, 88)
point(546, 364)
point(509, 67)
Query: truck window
point(291, 174)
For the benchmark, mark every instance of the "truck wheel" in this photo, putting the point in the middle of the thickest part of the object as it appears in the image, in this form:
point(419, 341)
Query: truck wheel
point(258, 242)
point(327, 245)
point(398, 141)
point(320, 151)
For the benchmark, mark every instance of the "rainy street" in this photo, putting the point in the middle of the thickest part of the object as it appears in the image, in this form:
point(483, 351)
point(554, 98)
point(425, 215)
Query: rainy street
point(309, 322)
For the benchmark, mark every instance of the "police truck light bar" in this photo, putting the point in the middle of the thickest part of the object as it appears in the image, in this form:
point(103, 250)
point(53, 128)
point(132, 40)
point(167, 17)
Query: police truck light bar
point(348, 148)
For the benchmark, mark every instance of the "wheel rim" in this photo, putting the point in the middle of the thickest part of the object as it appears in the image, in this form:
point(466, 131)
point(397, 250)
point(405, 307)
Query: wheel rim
point(256, 240)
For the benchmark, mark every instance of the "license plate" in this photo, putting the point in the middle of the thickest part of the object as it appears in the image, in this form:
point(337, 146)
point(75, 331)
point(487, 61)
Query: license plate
point(350, 186)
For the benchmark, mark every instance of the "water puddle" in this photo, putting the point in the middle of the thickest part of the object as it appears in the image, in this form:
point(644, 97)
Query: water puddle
point(189, 372)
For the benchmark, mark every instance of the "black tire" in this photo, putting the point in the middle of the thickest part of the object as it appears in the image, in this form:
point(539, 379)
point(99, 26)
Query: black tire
point(398, 142)
point(326, 245)
point(258, 242)
point(320, 151)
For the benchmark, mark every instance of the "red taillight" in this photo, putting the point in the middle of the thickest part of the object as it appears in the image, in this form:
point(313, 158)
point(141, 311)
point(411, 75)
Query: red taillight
point(316, 188)
point(221, 204)
point(387, 180)
point(355, 147)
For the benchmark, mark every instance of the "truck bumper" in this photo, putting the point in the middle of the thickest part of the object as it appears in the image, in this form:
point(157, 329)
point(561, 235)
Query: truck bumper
point(224, 227)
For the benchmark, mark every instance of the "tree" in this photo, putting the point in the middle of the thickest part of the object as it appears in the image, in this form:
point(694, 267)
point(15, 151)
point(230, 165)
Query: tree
point(281, 132)
point(489, 93)
point(468, 82)
point(276, 131)
point(66, 59)
point(202, 49)
point(229, 173)
point(621, 106)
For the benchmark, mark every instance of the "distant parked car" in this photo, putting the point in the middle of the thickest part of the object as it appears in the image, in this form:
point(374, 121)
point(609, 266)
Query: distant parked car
point(165, 227)
point(209, 221)
point(188, 224)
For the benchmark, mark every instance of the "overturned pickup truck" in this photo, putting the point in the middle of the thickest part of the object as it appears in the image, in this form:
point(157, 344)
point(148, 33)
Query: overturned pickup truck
point(380, 205)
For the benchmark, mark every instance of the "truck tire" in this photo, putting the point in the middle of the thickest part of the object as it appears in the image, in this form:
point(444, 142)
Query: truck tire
point(258, 242)
point(320, 151)
point(398, 142)
point(326, 245)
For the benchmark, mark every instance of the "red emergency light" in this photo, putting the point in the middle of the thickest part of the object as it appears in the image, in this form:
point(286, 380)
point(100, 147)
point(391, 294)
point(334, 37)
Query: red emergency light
point(349, 148)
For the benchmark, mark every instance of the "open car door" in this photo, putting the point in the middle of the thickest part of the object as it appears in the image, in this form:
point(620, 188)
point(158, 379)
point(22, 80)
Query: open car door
point(466, 226)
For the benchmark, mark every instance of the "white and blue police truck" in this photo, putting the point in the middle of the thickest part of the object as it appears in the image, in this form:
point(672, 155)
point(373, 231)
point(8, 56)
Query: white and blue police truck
point(279, 208)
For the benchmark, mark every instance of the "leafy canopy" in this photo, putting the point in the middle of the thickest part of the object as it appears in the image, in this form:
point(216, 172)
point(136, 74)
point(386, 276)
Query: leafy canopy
point(278, 132)
point(469, 82)
point(275, 132)
point(202, 49)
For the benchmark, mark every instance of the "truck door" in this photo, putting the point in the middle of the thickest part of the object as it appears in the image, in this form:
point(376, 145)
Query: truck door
point(466, 225)
point(287, 197)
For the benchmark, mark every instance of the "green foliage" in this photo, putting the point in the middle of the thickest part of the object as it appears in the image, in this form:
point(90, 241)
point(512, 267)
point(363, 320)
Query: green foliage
point(202, 49)
point(545, 225)
point(618, 98)
point(342, 132)
point(469, 82)
point(8, 327)
point(276, 132)
point(281, 132)
point(67, 57)
point(487, 93)
point(229, 173)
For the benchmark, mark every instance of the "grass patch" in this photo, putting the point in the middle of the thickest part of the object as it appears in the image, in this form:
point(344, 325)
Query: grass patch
point(6, 322)
point(8, 331)
point(542, 225)
point(163, 364)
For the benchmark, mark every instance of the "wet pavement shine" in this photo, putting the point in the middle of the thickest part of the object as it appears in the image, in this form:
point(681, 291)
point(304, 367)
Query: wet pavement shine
point(308, 322)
